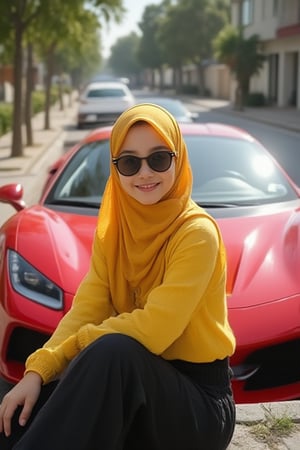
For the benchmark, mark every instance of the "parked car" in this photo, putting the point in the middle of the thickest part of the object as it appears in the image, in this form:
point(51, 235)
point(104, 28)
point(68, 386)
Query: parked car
point(174, 106)
point(45, 251)
point(102, 102)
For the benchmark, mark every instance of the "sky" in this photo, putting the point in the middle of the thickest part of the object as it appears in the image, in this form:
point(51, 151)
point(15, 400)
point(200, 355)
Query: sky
point(112, 32)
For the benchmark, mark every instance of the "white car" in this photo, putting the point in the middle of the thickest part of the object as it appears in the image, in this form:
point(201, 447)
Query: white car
point(103, 102)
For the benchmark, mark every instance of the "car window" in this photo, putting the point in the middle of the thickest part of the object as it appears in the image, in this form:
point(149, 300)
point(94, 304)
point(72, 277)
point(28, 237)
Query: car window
point(84, 178)
point(96, 93)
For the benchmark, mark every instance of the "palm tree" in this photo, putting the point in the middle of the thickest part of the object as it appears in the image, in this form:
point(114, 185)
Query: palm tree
point(243, 57)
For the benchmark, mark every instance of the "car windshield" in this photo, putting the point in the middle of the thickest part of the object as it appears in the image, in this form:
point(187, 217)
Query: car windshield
point(226, 172)
point(235, 171)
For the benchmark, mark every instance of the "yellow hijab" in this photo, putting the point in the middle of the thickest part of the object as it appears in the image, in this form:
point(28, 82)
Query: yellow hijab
point(134, 236)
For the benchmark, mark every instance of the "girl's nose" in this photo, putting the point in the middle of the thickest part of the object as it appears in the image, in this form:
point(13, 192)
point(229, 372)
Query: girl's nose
point(145, 169)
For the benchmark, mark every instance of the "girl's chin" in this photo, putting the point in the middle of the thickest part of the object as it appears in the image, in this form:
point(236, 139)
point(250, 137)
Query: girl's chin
point(146, 199)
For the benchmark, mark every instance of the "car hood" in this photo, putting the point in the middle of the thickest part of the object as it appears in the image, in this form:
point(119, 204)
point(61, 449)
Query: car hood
point(57, 244)
point(263, 253)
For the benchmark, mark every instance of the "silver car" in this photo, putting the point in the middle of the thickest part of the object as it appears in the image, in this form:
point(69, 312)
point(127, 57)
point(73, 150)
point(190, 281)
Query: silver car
point(103, 102)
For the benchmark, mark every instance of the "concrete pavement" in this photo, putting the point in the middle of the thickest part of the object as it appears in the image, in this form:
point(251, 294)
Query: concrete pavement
point(60, 121)
point(48, 146)
point(287, 118)
point(259, 426)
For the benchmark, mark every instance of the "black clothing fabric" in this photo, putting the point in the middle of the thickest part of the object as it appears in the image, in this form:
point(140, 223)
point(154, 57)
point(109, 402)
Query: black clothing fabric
point(116, 395)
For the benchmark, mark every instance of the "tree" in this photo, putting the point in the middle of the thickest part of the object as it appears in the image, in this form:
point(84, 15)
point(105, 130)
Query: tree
point(243, 57)
point(61, 27)
point(189, 30)
point(123, 60)
point(81, 57)
point(23, 14)
point(20, 13)
point(149, 52)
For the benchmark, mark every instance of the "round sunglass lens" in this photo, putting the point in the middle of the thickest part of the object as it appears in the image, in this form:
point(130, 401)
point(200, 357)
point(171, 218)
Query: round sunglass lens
point(129, 165)
point(160, 161)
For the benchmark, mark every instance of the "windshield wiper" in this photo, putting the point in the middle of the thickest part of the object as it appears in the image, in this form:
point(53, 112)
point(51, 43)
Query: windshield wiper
point(79, 203)
point(216, 205)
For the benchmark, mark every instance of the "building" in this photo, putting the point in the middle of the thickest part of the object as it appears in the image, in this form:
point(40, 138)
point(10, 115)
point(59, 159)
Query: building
point(277, 22)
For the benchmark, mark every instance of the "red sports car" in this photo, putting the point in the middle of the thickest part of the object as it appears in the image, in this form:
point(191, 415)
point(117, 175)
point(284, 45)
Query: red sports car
point(45, 251)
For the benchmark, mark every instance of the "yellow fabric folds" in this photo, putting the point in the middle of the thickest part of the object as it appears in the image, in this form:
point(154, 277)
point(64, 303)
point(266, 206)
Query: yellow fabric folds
point(134, 235)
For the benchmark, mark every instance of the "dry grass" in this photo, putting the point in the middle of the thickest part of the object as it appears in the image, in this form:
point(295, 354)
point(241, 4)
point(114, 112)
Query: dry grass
point(273, 429)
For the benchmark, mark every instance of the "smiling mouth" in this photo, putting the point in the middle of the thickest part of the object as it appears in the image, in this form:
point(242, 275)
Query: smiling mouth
point(147, 187)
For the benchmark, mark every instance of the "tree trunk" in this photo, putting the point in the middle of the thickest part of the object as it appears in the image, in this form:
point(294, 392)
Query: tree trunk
point(161, 79)
point(28, 97)
point(201, 84)
point(152, 79)
point(17, 144)
point(178, 78)
point(70, 98)
point(60, 93)
point(50, 63)
point(238, 103)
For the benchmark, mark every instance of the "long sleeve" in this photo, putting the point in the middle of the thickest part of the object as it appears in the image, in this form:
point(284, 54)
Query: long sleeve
point(186, 309)
point(170, 307)
point(91, 304)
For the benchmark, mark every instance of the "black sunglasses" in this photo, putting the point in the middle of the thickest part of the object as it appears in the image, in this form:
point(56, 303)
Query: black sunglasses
point(129, 165)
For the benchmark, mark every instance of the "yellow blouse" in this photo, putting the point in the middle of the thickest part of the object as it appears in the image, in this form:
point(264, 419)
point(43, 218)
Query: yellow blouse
point(184, 316)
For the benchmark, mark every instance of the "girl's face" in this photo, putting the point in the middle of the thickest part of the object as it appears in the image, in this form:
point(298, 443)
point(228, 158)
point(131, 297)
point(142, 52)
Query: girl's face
point(147, 186)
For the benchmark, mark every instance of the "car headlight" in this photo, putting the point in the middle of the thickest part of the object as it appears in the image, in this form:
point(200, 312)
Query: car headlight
point(30, 283)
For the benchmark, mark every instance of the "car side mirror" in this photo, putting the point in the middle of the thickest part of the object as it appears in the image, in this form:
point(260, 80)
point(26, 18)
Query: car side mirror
point(13, 195)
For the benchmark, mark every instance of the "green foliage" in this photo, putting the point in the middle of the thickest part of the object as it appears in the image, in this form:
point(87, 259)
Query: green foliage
point(243, 56)
point(38, 105)
point(70, 28)
point(38, 101)
point(189, 28)
point(54, 95)
point(5, 117)
point(123, 60)
point(272, 429)
point(149, 51)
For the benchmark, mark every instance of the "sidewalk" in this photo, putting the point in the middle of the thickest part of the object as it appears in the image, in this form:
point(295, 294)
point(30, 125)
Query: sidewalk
point(288, 118)
point(259, 426)
point(43, 139)
point(265, 426)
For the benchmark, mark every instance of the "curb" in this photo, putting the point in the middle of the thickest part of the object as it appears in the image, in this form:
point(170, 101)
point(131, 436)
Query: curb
point(44, 148)
point(253, 413)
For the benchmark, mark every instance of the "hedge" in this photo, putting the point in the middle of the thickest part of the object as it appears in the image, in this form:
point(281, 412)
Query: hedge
point(38, 102)
point(6, 111)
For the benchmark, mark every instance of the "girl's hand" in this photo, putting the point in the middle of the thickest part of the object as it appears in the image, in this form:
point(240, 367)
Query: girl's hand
point(25, 394)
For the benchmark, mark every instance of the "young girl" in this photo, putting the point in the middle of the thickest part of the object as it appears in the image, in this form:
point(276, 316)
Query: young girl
point(142, 357)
